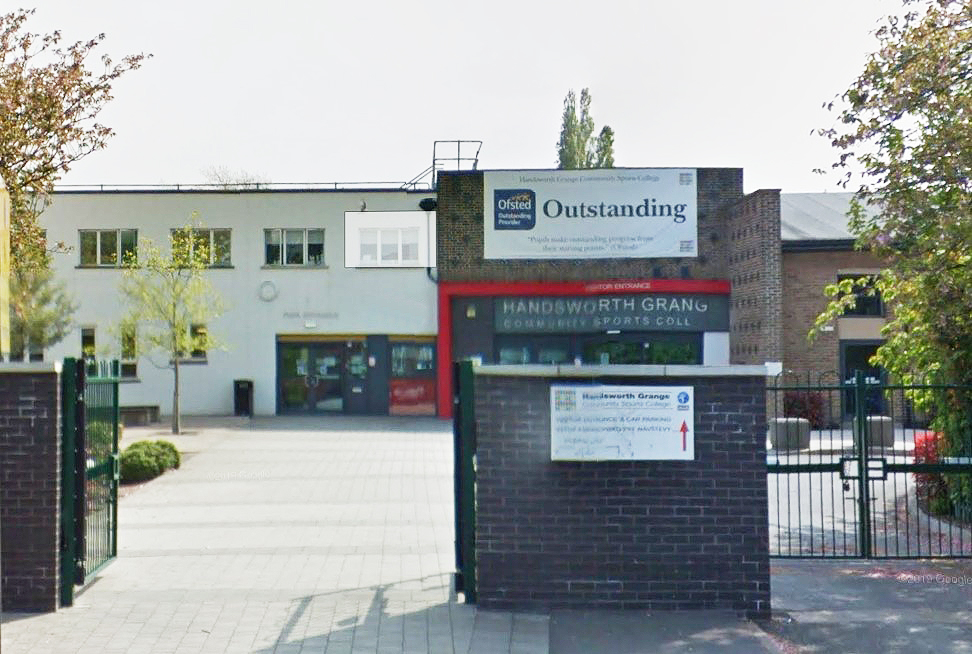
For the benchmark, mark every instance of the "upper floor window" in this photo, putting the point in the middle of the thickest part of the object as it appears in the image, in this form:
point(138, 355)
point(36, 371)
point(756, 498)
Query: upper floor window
point(389, 247)
point(293, 247)
point(866, 304)
point(108, 247)
point(214, 244)
point(389, 239)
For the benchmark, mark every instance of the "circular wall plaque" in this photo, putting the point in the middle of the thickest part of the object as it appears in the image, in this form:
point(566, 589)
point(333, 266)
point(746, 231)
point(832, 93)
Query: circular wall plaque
point(267, 291)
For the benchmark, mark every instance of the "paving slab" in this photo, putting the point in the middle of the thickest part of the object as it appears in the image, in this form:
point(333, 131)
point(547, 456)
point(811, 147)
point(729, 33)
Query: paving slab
point(641, 632)
point(336, 535)
point(324, 534)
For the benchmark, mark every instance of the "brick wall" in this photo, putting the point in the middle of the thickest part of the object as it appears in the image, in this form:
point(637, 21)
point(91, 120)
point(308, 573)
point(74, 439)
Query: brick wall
point(755, 316)
point(30, 473)
point(656, 535)
point(459, 239)
point(804, 276)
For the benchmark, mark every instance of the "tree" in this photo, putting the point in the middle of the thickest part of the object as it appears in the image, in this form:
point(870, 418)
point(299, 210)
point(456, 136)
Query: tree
point(905, 125)
point(578, 147)
point(41, 310)
point(50, 96)
point(169, 303)
point(236, 180)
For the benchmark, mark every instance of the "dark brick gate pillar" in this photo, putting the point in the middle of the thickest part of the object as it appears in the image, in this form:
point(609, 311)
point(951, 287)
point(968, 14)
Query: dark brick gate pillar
point(622, 534)
point(30, 474)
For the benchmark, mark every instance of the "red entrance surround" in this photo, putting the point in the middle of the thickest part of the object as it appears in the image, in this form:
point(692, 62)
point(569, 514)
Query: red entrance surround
point(449, 290)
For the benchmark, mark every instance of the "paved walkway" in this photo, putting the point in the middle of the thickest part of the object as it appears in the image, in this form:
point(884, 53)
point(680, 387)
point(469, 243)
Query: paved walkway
point(336, 535)
point(286, 535)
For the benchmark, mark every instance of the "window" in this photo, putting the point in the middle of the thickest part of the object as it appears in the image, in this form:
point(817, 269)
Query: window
point(294, 247)
point(200, 337)
point(368, 239)
point(413, 359)
point(866, 305)
point(88, 343)
point(108, 247)
point(129, 362)
point(389, 239)
point(215, 243)
point(398, 246)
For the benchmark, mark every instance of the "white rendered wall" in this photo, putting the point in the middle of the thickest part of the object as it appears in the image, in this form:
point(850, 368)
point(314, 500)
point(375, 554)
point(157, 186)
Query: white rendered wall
point(326, 301)
point(715, 349)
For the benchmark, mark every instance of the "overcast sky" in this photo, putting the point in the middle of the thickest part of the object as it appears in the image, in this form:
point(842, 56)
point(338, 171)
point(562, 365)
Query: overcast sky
point(324, 91)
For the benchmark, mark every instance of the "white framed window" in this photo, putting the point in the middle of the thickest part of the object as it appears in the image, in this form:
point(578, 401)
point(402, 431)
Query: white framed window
point(389, 239)
point(293, 247)
point(129, 361)
point(200, 336)
point(88, 343)
point(107, 248)
point(216, 242)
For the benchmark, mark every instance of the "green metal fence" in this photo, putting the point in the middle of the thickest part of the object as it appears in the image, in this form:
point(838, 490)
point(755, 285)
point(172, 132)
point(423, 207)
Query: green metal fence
point(90, 471)
point(862, 468)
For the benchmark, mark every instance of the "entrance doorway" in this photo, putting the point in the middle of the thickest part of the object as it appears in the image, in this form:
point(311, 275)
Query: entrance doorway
point(321, 377)
point(855, 356)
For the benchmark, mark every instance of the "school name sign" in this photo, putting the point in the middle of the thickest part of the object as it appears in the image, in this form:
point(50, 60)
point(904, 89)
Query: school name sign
point(590, 214)
point(629, 423)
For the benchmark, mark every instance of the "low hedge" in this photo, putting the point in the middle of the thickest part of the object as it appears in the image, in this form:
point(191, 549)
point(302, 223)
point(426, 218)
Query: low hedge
point(146, 460)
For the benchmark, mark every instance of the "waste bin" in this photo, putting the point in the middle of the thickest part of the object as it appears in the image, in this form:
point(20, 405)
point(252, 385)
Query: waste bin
point(243, 397)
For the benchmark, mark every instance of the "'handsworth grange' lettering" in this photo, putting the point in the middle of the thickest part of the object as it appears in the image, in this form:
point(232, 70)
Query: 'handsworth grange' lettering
point(650, 208)
point(592, 306)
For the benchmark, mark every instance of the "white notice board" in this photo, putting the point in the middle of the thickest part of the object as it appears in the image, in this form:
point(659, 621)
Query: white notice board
point(626, 423)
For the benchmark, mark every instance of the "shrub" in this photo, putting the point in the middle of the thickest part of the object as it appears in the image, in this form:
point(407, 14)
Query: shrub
point(804, 404)
point(146, 460)
point(931, 486)
point(169, 454)
point(139, 464)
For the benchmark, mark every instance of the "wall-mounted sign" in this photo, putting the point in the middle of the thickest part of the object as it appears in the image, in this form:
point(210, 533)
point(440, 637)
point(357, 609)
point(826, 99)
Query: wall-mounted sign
point(650, 312)
point(609, 423)
point(590, 214)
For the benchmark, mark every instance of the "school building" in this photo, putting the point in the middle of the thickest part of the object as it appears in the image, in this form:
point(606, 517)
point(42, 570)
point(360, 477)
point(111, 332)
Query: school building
point(358, 300)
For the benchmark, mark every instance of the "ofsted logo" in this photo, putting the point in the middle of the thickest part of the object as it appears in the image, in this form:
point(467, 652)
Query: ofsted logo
point(514, 209)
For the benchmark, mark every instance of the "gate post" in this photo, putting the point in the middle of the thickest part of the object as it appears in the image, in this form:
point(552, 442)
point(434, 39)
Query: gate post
point(863, 444)
point(464, 452)
point(72, 501)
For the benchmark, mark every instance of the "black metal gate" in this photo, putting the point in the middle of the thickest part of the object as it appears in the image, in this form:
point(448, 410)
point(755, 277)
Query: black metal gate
point(90, 472)
point(855, 470)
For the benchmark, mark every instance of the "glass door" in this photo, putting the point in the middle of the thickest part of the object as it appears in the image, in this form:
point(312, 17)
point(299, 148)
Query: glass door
point(311, 377)
point(856, 357)
point(326, 377)
point(293, 385)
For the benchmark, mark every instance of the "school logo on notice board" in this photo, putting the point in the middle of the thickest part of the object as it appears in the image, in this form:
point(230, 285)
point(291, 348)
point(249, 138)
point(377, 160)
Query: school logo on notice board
point(514, 209)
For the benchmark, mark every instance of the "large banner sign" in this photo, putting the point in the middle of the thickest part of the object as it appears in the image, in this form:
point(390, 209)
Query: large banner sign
point(609, 423)
point(590, 214)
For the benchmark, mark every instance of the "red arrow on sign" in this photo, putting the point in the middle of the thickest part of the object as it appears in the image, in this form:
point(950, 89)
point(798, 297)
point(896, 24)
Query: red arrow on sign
point(684, 430)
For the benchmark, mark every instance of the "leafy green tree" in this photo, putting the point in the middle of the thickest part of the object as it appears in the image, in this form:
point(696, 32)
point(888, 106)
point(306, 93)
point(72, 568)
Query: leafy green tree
point(904, 135)
point(169, 301)
point(51, 95)
point(40, 313)
point(50, 98)
point(578, 146)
